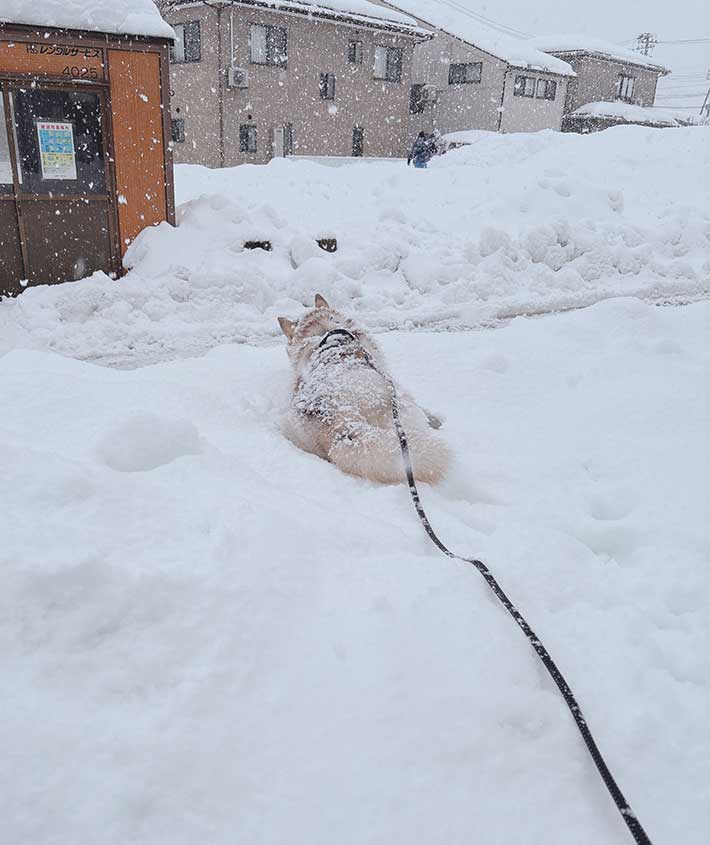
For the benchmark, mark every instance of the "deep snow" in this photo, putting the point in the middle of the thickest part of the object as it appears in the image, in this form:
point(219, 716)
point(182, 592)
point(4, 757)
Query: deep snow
point(509, 225)
point(209, 636)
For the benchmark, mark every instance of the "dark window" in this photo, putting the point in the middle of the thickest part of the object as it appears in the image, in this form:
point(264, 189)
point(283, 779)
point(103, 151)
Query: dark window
point(327, 86)
point(625, 87)
point(355, 52)
point(524, 86)
point(247, 138)
point(288, 139)
point(268, 45)
point(188, 43)
point(177, 130)
point(416, 99)
point(358, 141)
point(546, 89)
point(459, 74)
point(388, 64)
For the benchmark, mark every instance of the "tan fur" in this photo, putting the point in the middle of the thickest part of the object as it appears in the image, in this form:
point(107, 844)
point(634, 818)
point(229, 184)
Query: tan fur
point(353, 427)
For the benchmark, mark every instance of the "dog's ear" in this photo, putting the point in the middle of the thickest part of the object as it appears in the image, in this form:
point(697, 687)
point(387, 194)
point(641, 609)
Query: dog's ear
point(321, 301)
point(287, 326)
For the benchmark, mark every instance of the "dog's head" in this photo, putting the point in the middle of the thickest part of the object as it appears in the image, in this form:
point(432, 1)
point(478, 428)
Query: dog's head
point(305, 334)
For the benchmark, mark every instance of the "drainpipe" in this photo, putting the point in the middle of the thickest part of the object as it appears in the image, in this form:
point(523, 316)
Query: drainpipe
point(219, 8)
point(502, 99)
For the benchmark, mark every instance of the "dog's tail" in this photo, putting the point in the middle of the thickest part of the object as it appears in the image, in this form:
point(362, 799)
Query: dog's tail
point(376, 455)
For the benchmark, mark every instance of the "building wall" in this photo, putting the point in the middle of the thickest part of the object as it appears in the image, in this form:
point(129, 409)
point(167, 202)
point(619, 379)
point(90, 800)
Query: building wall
point(530, 114)
point(597, 81)
point(473, 105)
point(277, 96)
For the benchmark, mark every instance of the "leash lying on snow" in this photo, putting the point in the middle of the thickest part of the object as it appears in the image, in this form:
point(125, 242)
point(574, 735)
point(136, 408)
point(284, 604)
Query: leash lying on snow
point(628, 815)
point(343, 336)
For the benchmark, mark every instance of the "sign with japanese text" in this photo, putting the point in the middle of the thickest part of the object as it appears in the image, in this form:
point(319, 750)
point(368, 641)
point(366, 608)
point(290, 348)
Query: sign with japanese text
point(56, 149)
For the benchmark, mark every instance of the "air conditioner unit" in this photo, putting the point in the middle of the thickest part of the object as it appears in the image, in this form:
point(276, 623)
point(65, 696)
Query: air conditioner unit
point(237, 77)
point(430, 94)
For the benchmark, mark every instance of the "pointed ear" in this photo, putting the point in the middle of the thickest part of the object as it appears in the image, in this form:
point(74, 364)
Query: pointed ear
point(287, 326)
point(321, 301)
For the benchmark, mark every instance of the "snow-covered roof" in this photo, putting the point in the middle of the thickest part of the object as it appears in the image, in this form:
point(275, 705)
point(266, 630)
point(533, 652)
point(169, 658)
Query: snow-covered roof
point(628, 113)
point(358, 9)
point(122, 17)
point(573, 43)
point(456, 20)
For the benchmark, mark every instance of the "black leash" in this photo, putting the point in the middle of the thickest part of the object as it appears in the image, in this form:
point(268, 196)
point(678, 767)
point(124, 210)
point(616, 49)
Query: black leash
point(622, 804)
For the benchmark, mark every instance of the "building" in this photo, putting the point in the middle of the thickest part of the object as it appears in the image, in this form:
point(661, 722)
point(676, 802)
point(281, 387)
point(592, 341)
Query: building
point(471, 76)
point(252, 80)
point(606, 73)
point(84, 136)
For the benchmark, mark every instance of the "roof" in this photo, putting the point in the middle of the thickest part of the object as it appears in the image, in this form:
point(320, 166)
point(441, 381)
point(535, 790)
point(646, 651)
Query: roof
point(121, 17)
point(461, 23)
point(627, 113)
point(573, 43)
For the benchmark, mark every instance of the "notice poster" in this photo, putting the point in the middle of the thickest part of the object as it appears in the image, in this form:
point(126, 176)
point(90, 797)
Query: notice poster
point(56, 149)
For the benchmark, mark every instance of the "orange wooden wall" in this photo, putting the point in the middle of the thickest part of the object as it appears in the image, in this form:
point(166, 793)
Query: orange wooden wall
point(138, 141)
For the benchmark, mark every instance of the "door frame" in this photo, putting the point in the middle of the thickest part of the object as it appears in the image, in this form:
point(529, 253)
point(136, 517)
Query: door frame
point(12, 82)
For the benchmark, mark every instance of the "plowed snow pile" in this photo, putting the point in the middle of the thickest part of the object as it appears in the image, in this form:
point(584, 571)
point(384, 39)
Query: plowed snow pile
point(207, 636)
point(512, 224)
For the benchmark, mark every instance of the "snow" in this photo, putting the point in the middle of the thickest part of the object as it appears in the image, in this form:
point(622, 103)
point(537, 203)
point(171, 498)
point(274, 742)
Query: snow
point(628, 112)
point(358, 9)
point(218, 638)
point(130, 17)
point(510, 224)
point(572, 43)
point(457, 21)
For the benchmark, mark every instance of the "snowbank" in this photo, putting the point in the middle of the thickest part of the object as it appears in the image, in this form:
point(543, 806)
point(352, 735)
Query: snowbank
point(472, 29)
point(209, 636)
point(510, 224)
point(629, 113)
point(575, 43)
point(130, 17)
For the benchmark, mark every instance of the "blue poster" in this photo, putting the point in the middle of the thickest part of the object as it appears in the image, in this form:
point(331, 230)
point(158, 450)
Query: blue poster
point(56, 149)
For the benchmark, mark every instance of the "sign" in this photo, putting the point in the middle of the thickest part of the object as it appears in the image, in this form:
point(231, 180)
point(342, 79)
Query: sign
point(56, 149)
point(70, 61)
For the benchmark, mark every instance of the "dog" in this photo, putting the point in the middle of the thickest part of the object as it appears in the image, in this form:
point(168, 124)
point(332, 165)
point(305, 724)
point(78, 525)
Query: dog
point(341, 410)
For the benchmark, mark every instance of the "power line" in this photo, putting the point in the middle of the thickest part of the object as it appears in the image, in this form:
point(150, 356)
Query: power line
point(469, 13)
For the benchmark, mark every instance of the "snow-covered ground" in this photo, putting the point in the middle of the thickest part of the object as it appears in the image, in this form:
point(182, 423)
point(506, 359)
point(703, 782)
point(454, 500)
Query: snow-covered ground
point(209, 636)
point(509, 225)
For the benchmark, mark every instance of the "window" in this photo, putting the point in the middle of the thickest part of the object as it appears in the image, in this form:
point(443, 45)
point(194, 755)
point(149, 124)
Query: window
point(269, 45)
point(625, 87)
point(355, 52)
point(358, 141)
point(546, 89)
point(327, 86)
point(5, 162)
point(188, 43)
point(416, 99)
point(247, 138)
point(177, 130)
point(288, 139)
point(462, 73)
point(524, 86)
point(388, 64)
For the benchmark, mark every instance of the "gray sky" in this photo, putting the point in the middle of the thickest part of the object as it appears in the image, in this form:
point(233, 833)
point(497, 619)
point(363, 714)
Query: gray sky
point(619, 21)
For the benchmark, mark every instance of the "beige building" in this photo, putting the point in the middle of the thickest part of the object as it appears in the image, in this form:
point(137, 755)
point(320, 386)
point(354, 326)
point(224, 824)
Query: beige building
point(470, 76)
point(605, 73)
point(250, 82)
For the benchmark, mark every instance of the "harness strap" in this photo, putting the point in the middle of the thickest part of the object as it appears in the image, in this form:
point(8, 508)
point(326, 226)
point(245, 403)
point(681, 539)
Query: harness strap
point(628, 815)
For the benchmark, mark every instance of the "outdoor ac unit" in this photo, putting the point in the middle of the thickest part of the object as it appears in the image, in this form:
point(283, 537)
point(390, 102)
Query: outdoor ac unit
point(237, 77)
point(430, 94)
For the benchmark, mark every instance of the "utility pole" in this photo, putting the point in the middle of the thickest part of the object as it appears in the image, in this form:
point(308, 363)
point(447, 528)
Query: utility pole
point(646, 43)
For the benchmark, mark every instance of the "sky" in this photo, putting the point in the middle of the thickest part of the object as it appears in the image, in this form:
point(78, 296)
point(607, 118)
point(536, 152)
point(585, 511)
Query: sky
point(621, 22)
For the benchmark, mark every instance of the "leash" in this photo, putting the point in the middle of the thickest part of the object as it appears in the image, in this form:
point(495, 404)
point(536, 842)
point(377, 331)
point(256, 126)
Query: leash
point(627, 814)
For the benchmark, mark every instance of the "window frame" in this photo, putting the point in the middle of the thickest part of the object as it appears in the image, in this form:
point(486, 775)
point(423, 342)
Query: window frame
point(271, 57)
point(358, 150)
point(326, 86)
point(187, 30)
point(625, 82)
point(355, 52)
point(394, 60)
point(417, 103)
point(519, 91)
point(548, 87)
point(458, 73)
point(248, 144)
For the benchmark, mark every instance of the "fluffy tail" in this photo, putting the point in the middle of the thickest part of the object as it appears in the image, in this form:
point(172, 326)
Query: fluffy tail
point(376, 455)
